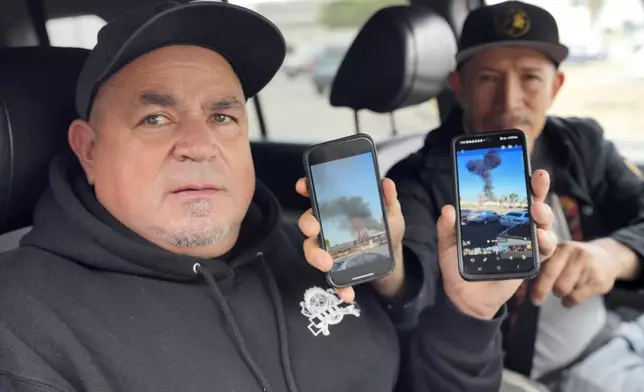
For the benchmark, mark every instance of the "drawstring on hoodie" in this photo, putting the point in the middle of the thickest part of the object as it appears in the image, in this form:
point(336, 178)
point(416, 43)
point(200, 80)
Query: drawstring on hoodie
point(238, 338)
point(269, 279)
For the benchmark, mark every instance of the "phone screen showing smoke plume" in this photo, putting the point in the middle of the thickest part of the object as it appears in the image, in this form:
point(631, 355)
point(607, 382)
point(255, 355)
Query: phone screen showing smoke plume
point(493, 200)
point(350, 211)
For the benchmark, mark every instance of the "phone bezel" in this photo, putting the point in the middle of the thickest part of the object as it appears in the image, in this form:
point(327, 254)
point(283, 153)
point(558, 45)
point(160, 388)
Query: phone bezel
point(338, 149)
point(534, 271)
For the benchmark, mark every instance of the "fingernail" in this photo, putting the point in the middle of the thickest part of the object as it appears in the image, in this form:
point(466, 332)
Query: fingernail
point(537, 302)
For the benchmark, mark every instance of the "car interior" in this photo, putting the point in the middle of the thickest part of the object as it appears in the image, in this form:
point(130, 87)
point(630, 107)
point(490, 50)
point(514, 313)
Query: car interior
point(400, 58)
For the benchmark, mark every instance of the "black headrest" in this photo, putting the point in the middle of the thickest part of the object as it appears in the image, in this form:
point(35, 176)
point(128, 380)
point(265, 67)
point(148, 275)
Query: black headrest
point(400, 58)
point(36, 107)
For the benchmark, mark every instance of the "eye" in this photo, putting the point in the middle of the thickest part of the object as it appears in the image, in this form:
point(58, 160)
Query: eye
point(221, 118)
point(156, 120)
point(487, 77)
point(532, 77)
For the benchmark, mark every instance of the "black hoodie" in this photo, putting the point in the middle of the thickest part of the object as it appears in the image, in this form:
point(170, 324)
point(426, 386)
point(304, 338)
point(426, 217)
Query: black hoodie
point(88, 305)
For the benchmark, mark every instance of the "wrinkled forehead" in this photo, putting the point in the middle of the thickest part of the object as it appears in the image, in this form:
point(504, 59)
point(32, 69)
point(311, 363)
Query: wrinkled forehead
point(509, 57)
point(174, 70)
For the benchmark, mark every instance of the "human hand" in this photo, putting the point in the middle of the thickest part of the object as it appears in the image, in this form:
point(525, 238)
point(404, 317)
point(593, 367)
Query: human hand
point(576, 272)
point(484, 299)
point(388, 286)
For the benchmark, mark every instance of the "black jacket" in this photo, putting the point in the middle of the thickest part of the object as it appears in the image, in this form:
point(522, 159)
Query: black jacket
point(87, 305)
point(588, 173)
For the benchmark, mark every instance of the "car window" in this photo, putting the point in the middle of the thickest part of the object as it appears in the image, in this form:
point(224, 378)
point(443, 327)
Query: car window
point(514, 214)
point(75, 31)
point(295, 104)
point(605, 69)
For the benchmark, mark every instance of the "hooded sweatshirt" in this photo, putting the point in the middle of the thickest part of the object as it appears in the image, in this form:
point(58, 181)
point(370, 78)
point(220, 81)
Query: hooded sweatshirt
point(88, 305)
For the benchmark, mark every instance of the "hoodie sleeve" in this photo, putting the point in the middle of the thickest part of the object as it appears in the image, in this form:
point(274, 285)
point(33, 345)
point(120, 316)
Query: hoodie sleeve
point(420, 240)
point(449, 351)
point(12, 383)
point(453, 352)
point(22, 369)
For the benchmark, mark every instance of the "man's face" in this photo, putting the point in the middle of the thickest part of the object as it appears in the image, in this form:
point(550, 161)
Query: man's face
point(507, 87)
point(167, 150)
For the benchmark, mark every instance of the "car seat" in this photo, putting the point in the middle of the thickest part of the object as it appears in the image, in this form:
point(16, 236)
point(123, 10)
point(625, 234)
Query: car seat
point(37, 87)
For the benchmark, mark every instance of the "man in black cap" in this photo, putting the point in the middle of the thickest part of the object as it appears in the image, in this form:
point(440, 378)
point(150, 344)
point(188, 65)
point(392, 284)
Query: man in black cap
point(507, 76)
point(159, 264)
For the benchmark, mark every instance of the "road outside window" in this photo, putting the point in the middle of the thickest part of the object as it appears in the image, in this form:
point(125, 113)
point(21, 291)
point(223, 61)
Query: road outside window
point(296, 103)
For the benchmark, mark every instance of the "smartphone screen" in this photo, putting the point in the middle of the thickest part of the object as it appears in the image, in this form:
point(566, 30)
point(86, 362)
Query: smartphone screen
point(347, 198)
point(496, 231)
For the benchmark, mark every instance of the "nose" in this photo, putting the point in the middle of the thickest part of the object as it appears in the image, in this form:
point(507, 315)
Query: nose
point(197, 143)
point(510, 94)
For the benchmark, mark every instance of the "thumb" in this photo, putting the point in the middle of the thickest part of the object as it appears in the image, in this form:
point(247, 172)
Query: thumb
point(446, 228)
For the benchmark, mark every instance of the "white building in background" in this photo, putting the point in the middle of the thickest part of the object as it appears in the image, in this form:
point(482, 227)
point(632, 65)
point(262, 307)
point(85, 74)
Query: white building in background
point(583, 33)
point(298, 21)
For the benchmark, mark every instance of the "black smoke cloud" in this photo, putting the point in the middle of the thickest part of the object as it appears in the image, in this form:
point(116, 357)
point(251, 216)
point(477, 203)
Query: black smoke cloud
point(482, 167)
point(354, 209)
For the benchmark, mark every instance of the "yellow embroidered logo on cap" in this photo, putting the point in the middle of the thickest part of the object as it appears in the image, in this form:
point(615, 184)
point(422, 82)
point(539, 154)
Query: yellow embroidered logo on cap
point(514, 25)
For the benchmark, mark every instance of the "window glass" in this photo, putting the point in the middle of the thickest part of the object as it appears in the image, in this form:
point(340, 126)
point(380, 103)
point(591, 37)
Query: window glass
point(75, 31)
point(605, 70)
point(296, 103)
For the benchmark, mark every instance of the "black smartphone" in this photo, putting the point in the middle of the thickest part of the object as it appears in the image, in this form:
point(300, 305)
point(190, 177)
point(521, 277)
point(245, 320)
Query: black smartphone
point(347, 199)
point(496, 236)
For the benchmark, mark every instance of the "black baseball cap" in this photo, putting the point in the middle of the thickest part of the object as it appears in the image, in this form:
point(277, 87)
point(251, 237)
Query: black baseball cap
point(251, 43)
point(511, 23)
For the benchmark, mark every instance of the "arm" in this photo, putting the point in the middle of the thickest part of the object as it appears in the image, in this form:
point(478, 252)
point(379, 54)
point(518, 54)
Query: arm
point(23, 370)
point(629, 265)
point(452, 351)
point(457, 344)
point(419, 254)
point(420, 242)
point(618, 192)
point(12, 383)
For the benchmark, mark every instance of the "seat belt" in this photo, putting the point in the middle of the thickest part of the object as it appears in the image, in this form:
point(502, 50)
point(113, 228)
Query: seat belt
point(520, 331)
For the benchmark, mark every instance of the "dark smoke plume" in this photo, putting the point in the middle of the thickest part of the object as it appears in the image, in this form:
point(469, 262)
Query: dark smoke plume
point(354, 209)
point(482, 167)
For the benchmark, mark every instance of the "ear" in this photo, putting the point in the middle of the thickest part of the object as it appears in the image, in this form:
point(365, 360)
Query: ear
point(82, 140)
point(456, 83)
point(557, 83)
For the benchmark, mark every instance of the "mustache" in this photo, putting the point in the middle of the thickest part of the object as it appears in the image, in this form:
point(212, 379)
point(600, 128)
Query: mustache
point(196, 174)
point(498, 120)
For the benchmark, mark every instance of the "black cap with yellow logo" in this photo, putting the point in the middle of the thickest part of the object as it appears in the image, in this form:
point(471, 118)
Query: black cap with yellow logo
point(511, 23)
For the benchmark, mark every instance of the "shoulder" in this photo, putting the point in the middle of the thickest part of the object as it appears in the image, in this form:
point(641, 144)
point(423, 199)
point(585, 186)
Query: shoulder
point(20, 262)
point(584, 132)
point(29, 279)
point(33, 273)
point(405, 169)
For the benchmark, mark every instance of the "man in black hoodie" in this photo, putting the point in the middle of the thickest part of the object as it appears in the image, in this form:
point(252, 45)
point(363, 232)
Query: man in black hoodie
point(159, 264)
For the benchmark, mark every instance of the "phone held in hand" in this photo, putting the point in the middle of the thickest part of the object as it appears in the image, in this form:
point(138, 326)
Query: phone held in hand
point(496, 236)
point(347, 199)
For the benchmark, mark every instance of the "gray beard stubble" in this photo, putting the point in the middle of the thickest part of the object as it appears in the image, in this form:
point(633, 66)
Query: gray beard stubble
point(201, 236)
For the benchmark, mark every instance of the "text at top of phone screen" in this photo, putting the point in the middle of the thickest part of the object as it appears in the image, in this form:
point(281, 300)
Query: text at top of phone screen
point(493, 200)
point(350, 211)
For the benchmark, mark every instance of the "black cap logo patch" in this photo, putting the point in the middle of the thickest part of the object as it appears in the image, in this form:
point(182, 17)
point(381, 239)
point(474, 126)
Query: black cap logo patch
point(514, 24)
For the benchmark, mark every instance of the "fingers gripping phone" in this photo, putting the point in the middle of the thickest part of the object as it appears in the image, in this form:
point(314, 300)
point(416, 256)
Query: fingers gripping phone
point(347, 199)
point(496, 236)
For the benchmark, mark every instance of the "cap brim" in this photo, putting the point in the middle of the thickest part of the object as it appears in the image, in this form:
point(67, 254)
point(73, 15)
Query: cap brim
point(556, 52)
point(251, 43)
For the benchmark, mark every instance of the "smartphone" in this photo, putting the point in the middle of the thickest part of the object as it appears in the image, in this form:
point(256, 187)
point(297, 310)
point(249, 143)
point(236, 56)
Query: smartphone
point(347, 199)
point(496, 236)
